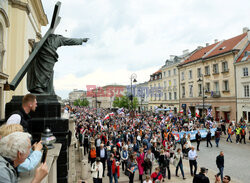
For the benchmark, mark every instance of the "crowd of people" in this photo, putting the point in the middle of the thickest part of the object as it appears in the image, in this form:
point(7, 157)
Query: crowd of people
point(144, 142)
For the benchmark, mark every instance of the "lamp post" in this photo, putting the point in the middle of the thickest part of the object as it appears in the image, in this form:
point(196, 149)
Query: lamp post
point(201, 80)
point(132, 80)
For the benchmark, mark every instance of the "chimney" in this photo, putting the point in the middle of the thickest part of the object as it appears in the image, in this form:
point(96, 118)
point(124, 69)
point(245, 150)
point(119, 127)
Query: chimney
point(207, 44)
point(216, 41)
point(185, 52)
point(199, 47)
point(245, 29)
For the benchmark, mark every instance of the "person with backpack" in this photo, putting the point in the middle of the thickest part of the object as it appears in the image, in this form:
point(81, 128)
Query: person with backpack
point(97, 171)
point(164, 163)
point(149, 158)
point(209, 137)
point(156, 175)
point(237, 132)
point(243, 135)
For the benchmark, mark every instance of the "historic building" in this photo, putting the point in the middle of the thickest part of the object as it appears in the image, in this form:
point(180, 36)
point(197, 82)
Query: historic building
point(77, 94)
point(142, 94)
point(170, 82)
point(155, 91)
point(242, 75)
point(207, 78)
point(20, 26)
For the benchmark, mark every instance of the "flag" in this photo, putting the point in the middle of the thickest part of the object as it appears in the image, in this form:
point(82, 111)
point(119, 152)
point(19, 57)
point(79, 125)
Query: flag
point(197, 113)
point(181, 111)
point(111, 114)
point(106, 117)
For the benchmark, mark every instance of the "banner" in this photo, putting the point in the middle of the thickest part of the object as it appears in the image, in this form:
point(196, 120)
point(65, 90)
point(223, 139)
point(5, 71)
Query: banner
point(179, 135)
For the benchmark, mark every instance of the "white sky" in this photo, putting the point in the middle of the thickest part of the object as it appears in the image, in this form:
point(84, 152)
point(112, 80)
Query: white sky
point(136, 36)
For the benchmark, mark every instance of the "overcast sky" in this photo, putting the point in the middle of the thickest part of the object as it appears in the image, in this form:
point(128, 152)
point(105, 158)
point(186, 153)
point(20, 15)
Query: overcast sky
point(136, 36)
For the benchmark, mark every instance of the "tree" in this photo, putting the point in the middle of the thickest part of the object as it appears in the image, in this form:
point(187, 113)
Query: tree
point(83, 102)
point(125, 102)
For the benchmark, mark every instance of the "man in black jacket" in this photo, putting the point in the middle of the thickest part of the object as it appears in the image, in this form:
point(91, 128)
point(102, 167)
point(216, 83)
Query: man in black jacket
point(220, 163)
point(201, 177)
point(21, 116)
point(198, 140)
point(102, 153)
point(209, 138)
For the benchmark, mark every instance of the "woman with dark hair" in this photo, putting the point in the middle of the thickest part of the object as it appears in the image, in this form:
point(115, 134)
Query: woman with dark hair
point(178, 162)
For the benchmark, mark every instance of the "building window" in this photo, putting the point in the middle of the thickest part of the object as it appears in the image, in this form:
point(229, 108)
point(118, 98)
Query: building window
point(190, 74)
point(164, 74)
point(159, 95)
point(207, 70)
point(170, 96)
point(174, 71)
point(225, 84)
point(175, 84)
point(215, 69)
point(199, 90)
point(165, 84)
point(190, 90)
point(245, 71)
point(207, 89)
point(155, 96)
point(182, 76)
point(175, 95)
point(165, 96)
point(199, 72)
point(169, 82)
point(246, 90)
point(216, 86)
point(183, 91)
point(169, 73)
point(224, 66)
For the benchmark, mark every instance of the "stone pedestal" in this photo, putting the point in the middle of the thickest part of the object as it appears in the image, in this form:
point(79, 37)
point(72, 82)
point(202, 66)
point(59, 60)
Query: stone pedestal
point(48, 114)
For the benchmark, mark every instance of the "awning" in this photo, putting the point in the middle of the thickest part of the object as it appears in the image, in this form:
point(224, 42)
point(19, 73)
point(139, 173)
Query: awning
point(225, 108)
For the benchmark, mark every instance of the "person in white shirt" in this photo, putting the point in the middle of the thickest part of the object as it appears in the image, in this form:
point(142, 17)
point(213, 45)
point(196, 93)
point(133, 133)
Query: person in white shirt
point(147, 179)
point(97, 171)
point(192, 156)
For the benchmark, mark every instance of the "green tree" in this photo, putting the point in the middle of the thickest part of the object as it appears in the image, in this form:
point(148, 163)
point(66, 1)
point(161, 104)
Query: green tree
point(125, 102)
point(83, 102)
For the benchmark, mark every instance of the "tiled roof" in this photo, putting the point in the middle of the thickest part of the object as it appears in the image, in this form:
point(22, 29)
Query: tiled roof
point(157, 72)
point(227, 45)
point(215, 49)
point(199, 53)
point(243, 53)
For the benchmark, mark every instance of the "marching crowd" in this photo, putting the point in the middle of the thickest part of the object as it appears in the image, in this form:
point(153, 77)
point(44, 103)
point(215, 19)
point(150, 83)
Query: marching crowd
point(144, 141)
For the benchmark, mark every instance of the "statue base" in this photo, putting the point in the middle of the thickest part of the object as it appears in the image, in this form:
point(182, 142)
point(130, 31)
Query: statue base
point(47, 114)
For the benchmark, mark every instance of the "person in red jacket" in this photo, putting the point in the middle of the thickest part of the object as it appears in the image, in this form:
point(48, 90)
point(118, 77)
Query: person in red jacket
point(156, 175)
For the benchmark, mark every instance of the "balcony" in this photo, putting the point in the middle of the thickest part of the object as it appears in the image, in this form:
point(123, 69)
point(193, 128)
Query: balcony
point(170, 88)
point(175, 88)
point(215, 94)
point(225, 71)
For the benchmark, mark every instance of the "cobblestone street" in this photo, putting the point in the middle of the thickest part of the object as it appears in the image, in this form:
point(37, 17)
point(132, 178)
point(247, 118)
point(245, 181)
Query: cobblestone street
point(207, 156)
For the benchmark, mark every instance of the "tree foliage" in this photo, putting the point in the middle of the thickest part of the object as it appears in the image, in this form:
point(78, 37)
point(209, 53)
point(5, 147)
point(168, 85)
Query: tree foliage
point(84, 102)
point(125, 102)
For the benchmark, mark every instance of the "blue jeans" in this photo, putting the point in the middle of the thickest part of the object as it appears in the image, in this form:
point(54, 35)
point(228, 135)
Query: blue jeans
point(229, 138)
point(221, 172)
point(115, 178)
point(217, 141)
point(181, 167)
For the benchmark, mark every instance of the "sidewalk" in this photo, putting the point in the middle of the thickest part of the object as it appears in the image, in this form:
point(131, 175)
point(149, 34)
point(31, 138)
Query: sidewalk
point(124, 179)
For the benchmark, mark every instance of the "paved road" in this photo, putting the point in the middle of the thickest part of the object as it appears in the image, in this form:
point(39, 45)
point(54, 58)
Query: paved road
point(236, 157)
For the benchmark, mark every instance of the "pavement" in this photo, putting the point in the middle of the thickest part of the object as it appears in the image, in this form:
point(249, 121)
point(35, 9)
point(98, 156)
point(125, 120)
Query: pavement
point(237, 161)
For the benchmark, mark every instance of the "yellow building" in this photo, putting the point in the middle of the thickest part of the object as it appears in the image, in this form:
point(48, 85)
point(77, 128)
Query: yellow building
point(20, 25)
point(211, 68)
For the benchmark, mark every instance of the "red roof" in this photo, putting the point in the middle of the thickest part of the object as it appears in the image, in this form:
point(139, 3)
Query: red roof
point(243, 53)
point(227, 45)
point(216, 48)
point(199, 53)
point(157, 72)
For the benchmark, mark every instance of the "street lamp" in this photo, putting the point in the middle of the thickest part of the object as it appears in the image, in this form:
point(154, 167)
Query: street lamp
point(132, 80)
point(201, 80)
